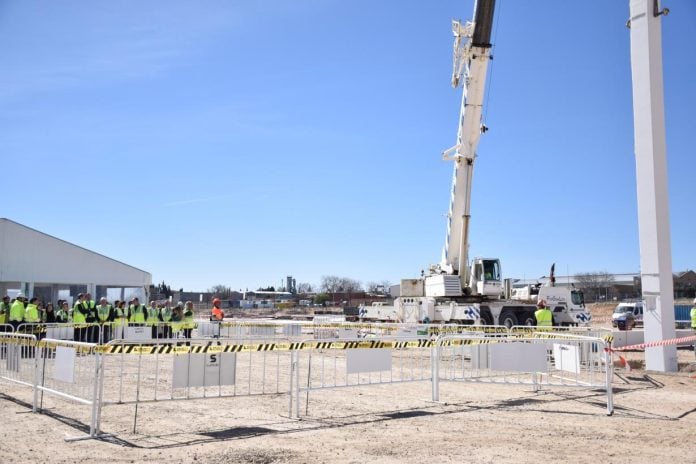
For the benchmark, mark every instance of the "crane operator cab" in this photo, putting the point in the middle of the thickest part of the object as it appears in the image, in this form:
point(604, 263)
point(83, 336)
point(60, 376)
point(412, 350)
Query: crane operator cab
point(486, 279)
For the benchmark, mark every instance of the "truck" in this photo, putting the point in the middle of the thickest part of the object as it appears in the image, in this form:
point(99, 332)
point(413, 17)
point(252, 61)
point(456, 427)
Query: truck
point(456, 290)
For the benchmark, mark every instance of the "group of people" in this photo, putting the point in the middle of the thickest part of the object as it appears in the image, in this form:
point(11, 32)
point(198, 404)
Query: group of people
point(161, 316)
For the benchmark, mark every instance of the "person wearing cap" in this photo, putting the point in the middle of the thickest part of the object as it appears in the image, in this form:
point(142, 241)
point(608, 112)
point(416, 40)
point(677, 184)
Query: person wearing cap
point(216, 313)
point(4, 311)
point(543, 316)
point(63, 312)
point(17, 311)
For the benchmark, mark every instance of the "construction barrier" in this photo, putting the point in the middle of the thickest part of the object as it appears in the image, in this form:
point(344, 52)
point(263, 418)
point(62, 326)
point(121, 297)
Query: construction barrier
point(155, 370)
point(69, 370)
point(674, 341)
point(17, 358)
point(542, 360)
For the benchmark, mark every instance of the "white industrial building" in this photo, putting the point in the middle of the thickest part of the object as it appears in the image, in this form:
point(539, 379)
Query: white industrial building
point(38, 264)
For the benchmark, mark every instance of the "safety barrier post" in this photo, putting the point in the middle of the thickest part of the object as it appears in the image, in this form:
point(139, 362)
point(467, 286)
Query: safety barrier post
point(435, 353)
point(36, 377)
point(609, 362)
point(296, 374)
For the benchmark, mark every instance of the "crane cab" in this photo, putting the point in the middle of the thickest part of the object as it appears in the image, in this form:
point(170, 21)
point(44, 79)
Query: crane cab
point(486, 278)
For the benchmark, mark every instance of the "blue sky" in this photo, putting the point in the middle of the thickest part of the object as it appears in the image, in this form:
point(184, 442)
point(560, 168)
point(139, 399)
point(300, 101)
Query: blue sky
point(238, 142)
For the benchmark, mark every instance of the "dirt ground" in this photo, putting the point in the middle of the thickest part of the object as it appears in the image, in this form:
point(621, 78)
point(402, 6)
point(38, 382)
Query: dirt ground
point(654, 421)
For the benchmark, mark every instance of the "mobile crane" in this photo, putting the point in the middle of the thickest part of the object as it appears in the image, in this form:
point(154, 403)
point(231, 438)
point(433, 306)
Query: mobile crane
point(453, 290)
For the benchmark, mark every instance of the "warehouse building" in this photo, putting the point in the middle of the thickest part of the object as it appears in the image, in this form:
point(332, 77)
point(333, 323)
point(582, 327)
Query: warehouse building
point(38, 264)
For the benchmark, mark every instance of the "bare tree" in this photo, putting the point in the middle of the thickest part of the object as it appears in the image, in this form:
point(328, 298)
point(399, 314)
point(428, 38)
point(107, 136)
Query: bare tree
point(595, 285)
point(221, 291)
point(330, 284)
point(304, 287)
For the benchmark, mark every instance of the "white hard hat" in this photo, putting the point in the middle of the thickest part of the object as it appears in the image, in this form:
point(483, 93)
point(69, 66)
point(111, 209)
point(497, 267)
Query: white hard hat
point(695, 301)
point(20, 295)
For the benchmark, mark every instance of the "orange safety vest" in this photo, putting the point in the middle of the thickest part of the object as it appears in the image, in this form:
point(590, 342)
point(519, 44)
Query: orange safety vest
point(217, 314)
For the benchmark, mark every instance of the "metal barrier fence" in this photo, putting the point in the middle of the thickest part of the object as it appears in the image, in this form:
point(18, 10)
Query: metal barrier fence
point(135, 371)
point(358, 362)
point(6, 328)
point(543, 360)
point(17, 358)
point(69, 370)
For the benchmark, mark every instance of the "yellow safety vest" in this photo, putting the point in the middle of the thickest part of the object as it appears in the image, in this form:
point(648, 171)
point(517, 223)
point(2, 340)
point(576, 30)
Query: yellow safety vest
point(78, 317)
point(166, 314)
point(693, 318)
point(120, 315)
point(32, 314)
point(103, 312)
point(544, 318)
point(188, 319)
point(152, 317)
point(17, 311)
point(137, 314)
point(4, 313)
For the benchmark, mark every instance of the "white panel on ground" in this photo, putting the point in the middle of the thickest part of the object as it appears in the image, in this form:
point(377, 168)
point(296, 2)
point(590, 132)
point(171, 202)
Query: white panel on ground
point(347, 333)
point(479, 356)
point(292, 330)
point(208, 329)
point(407, 332)
point(13, 354)
point(518, 357)
point(64, 367)
point(566, 358)
point(204, 370)
point(139, 333)
point(368, 360)
point(60, 333)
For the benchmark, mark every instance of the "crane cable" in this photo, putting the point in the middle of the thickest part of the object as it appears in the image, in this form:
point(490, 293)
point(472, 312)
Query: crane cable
point(489, 84)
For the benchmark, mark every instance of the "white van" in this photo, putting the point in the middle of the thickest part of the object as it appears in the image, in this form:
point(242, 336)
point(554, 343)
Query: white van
point(626, 311)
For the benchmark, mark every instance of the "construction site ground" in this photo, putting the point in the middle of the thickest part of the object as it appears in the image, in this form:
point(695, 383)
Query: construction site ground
point(654, 421)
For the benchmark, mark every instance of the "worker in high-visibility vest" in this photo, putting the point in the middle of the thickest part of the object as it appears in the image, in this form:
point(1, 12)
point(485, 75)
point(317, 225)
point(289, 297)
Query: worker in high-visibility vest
point(136, 313)
point(189, 323)
point(17, 311)
point(177, 321)
point(79, 317)
point(63, 313)
point(31, 313)
point(105, 315)
point(153, 317)
point(120, 319)
point(4, 311)
point(165, 316)
point(543, 316)
point(216, 314)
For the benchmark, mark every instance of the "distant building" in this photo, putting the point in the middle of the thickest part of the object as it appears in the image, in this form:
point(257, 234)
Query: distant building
point(38, 264)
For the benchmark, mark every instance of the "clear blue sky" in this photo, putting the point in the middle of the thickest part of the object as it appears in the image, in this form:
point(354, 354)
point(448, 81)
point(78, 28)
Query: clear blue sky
point(238, 142)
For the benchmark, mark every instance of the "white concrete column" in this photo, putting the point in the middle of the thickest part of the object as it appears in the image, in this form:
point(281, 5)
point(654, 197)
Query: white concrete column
point(651, 178)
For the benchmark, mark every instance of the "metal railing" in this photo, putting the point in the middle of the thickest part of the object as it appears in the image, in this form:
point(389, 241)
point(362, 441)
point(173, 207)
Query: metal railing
point(170, 369)
point(541, 359)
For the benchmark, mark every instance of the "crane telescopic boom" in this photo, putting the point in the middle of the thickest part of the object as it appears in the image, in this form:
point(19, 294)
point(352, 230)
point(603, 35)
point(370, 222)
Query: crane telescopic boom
point(472, 53)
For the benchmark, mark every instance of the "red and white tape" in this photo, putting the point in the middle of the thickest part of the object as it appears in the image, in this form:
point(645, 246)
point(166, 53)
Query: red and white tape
point(673, 341)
